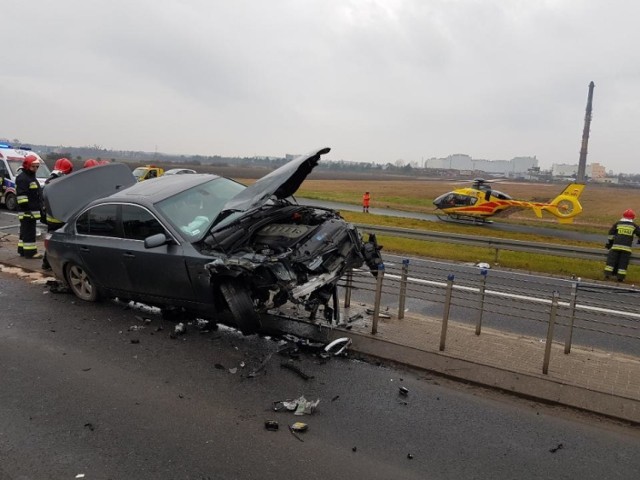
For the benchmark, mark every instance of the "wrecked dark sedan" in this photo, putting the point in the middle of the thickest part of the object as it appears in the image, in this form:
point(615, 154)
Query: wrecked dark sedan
point(201, 243)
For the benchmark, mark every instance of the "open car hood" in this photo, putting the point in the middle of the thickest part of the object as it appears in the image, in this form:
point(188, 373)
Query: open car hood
point(281, 183)
point(66, 195)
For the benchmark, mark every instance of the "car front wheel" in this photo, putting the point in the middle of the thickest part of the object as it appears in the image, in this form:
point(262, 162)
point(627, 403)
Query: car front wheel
point(10, 202)
point(241, 306)
point(80, 283)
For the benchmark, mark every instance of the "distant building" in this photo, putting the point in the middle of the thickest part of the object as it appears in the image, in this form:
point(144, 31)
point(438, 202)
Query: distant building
point(516, 167)
point(594, 171)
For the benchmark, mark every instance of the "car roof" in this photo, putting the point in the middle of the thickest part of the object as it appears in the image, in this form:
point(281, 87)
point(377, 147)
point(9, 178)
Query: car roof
point(157, 189)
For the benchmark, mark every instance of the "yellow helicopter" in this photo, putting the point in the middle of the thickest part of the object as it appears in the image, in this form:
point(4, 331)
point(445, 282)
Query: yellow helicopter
point(475, 204)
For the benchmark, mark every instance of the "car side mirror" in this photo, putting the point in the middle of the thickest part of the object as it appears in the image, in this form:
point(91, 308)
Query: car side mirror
point(157, 240)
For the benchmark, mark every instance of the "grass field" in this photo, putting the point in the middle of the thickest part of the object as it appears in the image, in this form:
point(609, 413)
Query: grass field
point(602, 204)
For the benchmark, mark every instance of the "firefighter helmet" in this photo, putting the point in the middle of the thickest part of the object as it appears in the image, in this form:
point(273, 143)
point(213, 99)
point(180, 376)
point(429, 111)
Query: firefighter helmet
point(91, 162)
point(30, 160)
point(630, 214)
point(63, 165)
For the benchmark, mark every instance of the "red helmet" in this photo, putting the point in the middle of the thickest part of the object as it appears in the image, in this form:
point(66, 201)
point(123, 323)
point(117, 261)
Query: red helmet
point(91, 162)
point(630, 214)
point(63, 165)
point(29, 160)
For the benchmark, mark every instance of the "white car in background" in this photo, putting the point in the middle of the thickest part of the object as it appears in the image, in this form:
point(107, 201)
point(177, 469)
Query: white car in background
point(179, 171)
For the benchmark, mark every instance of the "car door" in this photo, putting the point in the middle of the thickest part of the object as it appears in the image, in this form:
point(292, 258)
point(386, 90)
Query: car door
point(98, 240)
point(155, 272)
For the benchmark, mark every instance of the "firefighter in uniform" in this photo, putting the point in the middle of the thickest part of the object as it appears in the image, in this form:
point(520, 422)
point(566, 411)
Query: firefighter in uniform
point(63, 166)
point(29, 197)
point(619, 245)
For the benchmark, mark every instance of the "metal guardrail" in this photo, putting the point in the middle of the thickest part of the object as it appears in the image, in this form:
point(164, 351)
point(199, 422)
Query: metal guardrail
point(598, 254)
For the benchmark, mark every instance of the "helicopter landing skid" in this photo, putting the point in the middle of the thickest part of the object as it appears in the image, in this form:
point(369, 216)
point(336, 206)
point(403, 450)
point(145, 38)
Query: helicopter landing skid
point(464, 219)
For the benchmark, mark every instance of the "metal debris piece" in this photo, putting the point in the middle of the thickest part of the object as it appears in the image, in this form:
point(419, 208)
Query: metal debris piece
point(338, 346)
point(296, 369)
point(380, 314)
point(404, 391)
point(295, 434)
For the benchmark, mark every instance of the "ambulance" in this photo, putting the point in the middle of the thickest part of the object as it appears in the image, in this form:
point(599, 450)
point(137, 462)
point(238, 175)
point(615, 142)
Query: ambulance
point(10, 162)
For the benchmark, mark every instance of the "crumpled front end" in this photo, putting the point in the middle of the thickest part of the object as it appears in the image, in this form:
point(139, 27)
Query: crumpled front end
point(298, 257)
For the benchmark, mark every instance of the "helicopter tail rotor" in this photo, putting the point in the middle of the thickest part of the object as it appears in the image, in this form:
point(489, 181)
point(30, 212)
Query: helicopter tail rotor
point(565, 206)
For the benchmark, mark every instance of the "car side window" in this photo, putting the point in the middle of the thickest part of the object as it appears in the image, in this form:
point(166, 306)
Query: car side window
point(138, 223)
point(99, 221)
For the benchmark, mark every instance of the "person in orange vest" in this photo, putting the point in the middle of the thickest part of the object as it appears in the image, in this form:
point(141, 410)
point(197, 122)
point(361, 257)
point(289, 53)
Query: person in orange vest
point(366, 199)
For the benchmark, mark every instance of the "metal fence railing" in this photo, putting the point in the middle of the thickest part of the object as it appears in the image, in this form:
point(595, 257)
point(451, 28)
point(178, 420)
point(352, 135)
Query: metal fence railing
point(595, 313)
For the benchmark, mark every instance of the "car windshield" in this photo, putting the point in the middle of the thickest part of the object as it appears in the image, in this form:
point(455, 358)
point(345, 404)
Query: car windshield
point(43, 172)
point(139, 172)
point(193, 210)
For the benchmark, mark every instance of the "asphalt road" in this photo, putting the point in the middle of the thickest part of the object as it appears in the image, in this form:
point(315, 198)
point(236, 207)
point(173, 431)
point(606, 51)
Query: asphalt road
point(102, 390)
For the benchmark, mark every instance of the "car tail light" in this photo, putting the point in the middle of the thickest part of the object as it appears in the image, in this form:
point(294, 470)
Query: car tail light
point(46, 240)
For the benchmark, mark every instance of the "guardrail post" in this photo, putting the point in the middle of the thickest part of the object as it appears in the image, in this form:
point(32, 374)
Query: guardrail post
point(552, 321)
point(481, 290)
point(572, 313)
point(445, 315)
point(347, 289)
point(403, 288)
point(336, 306)
point(376, 303)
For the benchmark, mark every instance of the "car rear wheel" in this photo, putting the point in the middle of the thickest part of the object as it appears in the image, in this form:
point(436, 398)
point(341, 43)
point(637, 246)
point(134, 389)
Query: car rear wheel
point(241, 306)
point(80, 283)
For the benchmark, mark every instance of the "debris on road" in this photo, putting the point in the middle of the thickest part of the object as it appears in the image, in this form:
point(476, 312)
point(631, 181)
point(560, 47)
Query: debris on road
point(404, 391)
point(300, 406)
point(271, 425)
point(380, 314)
point(294, 368)
point(555, 449)
point(299, 427)
point(338, 346)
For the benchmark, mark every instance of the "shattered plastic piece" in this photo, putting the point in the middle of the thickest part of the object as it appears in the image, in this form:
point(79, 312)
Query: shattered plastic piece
point(338, 346)
point(299, 427)
point(291, 406)
point(271, 425)
point(305, 407)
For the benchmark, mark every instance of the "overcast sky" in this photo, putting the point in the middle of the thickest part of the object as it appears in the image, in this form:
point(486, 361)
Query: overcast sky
point(376, 80)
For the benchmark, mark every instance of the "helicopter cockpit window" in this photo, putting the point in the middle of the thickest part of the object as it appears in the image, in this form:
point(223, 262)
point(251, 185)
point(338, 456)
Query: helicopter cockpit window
point(464, 200)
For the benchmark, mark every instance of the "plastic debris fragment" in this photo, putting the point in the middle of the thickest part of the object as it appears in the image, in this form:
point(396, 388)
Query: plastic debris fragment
point(338, 346)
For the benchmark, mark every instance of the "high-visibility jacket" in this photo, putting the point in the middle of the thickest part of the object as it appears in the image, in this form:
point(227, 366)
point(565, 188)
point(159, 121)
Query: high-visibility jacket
point(621, 235)
point(365, 200)
point(52, 222)
point(28, 194)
